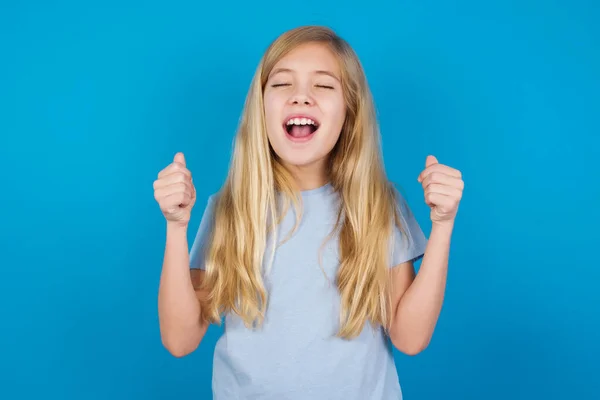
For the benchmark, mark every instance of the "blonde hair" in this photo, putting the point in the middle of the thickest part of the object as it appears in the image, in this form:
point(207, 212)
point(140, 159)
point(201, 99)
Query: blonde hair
point(246, 207)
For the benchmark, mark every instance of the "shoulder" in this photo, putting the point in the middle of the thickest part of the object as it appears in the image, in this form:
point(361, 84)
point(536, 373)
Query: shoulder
point(400, 201)
point(409, 239)
point(207, 212)
point(210, 203)
point(203, 232)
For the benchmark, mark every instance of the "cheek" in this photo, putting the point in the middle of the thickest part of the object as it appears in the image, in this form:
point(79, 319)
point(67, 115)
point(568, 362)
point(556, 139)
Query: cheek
point(337, 110)
point(268, 104)
point(272, 111)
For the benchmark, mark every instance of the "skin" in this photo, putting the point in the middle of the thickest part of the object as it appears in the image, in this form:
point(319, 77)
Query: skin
point(180, 325)
point(418, 299)
point(306, 81)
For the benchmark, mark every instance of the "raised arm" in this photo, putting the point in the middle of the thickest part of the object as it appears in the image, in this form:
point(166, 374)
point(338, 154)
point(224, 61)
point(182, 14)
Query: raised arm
point(181, 326)
point(418, 300)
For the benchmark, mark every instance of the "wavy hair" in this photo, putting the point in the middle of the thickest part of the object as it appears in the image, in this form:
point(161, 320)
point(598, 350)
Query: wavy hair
point(246, 208)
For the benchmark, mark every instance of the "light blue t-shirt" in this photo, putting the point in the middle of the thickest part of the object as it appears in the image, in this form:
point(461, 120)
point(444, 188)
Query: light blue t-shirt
point(295, 354)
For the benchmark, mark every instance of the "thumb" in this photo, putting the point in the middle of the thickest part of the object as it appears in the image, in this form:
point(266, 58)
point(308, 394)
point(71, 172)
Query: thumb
point(179, 158)
point(430, 161)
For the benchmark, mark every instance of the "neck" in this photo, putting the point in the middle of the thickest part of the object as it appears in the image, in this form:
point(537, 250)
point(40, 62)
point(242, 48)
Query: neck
point(309, 177)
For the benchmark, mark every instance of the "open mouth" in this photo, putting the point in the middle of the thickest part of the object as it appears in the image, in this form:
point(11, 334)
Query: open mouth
point(301, 128)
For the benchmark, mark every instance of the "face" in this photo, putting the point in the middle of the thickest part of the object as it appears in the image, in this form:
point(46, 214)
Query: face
point(304, 107)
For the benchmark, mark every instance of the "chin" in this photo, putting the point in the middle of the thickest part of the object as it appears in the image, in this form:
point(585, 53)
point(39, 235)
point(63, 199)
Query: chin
point(297, 159)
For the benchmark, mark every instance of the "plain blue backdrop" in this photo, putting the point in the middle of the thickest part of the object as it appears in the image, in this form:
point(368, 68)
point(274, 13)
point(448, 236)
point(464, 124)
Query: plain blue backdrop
point(96, 98)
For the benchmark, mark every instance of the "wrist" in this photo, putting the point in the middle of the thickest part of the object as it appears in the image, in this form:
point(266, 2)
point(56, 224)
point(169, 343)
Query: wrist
point(177, 227)
point(443, 228)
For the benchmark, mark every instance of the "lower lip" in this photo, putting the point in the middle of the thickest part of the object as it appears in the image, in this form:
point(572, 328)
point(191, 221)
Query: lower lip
point(299, 139)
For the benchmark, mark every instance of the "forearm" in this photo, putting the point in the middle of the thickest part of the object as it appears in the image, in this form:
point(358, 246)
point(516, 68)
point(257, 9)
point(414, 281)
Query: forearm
point(178, 306)
point(419, 307)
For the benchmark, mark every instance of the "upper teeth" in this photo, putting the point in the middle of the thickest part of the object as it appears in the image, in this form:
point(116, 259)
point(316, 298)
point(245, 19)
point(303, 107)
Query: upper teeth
point(301, 121)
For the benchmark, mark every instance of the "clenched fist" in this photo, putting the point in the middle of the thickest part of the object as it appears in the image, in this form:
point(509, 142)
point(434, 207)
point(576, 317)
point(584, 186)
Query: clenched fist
point(443, 188)
point(175, 192)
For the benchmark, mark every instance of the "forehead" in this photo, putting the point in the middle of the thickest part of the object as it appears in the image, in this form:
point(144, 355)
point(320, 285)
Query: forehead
point(308, 58)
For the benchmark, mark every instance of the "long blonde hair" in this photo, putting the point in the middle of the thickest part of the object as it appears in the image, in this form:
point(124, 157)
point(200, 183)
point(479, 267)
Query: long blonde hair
point(246, 207)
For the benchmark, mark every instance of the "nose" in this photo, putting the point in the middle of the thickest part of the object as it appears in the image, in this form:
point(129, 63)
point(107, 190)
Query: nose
point(300, 96)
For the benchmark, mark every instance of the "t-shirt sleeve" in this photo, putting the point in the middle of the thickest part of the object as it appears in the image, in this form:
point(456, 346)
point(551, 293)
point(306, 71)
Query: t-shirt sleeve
point(410, 242)
point(200, 243)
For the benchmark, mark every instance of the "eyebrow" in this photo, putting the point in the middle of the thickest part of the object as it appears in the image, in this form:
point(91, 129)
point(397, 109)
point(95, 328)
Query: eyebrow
point(318, 72)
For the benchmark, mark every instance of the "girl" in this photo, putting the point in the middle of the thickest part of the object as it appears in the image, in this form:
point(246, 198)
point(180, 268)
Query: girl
point(307, 250)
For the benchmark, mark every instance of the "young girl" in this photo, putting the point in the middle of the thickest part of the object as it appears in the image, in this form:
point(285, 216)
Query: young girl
point(307, 250)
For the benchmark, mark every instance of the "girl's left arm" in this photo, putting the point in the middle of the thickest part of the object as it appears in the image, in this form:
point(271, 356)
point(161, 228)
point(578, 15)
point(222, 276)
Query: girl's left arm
point(417, 301)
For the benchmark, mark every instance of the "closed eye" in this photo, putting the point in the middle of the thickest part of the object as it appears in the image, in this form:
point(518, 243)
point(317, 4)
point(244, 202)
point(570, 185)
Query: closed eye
point(325, 86)
point(280, 84)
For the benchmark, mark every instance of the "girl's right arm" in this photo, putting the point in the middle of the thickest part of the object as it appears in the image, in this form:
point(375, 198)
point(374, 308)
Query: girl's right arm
point(179, 313)
point(181, 327)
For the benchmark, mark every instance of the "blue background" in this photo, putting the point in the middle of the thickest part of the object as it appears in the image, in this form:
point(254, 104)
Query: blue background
point(96, 98)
